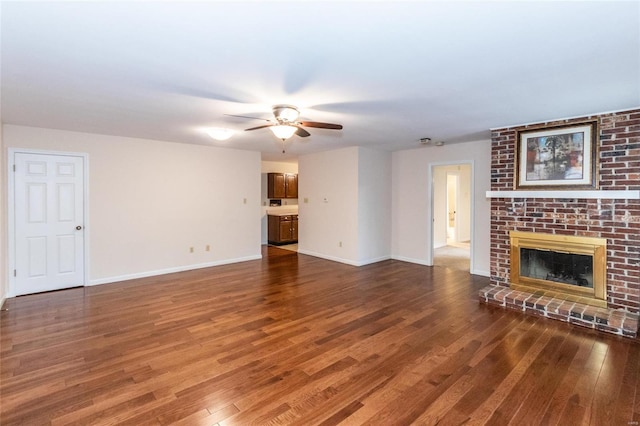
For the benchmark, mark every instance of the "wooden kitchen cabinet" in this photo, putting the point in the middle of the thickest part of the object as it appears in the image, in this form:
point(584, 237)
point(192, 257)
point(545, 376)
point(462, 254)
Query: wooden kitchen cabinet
point(282, 185)
point(283, 229)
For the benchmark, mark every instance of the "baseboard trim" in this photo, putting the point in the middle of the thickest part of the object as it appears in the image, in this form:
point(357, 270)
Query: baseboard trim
point(411, 260)
point(326, 257)
point(481, 273)
point(146, 274)
point(373, 260)
point(346, 261)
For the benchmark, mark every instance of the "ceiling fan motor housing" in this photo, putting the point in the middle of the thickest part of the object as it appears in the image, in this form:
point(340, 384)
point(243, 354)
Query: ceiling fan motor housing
point(286, 113)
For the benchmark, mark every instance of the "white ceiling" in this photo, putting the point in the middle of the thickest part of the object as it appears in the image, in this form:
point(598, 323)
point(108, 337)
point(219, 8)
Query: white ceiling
point(390, 72)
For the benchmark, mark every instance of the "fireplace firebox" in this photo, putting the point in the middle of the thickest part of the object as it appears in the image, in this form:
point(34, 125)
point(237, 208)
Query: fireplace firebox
point(560, 266)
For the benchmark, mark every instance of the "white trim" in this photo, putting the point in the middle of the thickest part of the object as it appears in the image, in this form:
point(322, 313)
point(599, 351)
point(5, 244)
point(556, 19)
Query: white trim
point(411, 260)
point(472, 214)
point(373, 260)
point(171, 270)
point(324, 256)
point(430, 192)
point(346, 261)
point(585, 116)
point(602, 195)
point(422, 262)
point(481, 273)
point(11, 292)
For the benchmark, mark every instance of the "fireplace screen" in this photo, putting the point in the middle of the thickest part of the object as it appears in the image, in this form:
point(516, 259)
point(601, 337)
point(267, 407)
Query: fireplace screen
point(565, 268)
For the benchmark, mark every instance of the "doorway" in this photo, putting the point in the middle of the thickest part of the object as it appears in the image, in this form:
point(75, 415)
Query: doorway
point(452, 215)
point(47, 221)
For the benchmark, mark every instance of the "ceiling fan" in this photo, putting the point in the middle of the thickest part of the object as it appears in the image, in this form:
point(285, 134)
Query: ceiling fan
point(286, 123)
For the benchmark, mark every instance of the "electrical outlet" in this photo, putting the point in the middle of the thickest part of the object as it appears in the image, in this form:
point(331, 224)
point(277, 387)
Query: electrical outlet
point(191, 250)
point(207, 248)
point(339, 243)
point(306, 200)
point(244, 201)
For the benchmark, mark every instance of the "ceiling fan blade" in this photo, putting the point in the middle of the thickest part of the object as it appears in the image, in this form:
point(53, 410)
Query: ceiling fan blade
point(321, 125)
point(244, 116)
point(302, 132)
point(259, 127)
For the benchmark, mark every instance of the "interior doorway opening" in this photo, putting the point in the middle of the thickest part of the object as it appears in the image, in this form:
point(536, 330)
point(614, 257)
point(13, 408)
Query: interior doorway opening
point(279, 223)
point(452, 213)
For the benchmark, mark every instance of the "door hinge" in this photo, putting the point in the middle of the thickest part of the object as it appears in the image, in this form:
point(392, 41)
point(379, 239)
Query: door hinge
point(15, 273)
point(14, 167)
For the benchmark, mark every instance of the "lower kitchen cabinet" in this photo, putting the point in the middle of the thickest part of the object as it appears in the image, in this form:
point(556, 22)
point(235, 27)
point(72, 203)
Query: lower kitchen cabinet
point(283, 229)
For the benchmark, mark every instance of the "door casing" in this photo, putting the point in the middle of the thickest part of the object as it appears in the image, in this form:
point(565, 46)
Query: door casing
point(11, 220)
point(430, 190)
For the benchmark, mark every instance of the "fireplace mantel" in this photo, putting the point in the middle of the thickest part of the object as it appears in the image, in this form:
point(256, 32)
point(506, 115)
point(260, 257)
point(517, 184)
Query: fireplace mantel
point(593, 195)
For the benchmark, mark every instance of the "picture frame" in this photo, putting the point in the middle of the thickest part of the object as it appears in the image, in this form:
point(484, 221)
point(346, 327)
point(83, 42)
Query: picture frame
point(556, 157)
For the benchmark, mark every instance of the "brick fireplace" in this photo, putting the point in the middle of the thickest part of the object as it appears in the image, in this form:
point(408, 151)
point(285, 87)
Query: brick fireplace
point(612, 213)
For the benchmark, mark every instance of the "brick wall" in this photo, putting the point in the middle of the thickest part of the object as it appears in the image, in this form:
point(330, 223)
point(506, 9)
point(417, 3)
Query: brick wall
point(617, 220)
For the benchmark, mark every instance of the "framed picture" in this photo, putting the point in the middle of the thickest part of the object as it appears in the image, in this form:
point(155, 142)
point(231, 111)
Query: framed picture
point(559, 156)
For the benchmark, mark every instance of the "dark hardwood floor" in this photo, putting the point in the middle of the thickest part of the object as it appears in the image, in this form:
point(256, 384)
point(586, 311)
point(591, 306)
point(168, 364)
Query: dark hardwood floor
point(293, 339)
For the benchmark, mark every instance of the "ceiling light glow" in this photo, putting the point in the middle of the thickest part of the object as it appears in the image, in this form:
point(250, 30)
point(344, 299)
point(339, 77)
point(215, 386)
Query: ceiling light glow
point(220, 134)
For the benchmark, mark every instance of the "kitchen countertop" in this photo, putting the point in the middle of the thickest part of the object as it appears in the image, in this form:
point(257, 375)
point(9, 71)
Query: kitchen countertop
point(281, 212)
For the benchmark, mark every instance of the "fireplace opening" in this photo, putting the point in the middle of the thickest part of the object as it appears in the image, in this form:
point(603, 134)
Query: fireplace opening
point(560, 266)
point(566, 268)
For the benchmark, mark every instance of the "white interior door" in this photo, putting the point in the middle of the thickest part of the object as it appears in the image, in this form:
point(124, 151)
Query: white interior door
point(49, 222)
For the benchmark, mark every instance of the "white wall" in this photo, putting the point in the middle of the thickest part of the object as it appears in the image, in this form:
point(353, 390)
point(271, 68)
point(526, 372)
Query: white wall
point(279, 167)
point(464, 203)
point(329, 182)
point(411, 212)
point(374, 205)
point(150, 201)
point(440, 206)
point(348, 216)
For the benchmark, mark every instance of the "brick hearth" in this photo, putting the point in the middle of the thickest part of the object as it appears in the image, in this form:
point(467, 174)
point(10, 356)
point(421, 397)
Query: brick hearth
point(616, 321)
point(617, 220)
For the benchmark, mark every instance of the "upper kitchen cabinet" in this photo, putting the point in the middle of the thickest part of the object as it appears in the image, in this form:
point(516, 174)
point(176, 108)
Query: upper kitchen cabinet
point(282, 185)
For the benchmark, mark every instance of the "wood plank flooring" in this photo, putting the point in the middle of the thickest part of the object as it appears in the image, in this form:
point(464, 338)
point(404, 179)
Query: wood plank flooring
point(292, 339)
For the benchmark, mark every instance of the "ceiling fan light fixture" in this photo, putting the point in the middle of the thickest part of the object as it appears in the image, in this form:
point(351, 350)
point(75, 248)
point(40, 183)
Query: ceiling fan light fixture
point(283, 131)
point(219, 133)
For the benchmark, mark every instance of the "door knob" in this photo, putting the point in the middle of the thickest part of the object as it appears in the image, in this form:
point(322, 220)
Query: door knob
point(78, 228)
